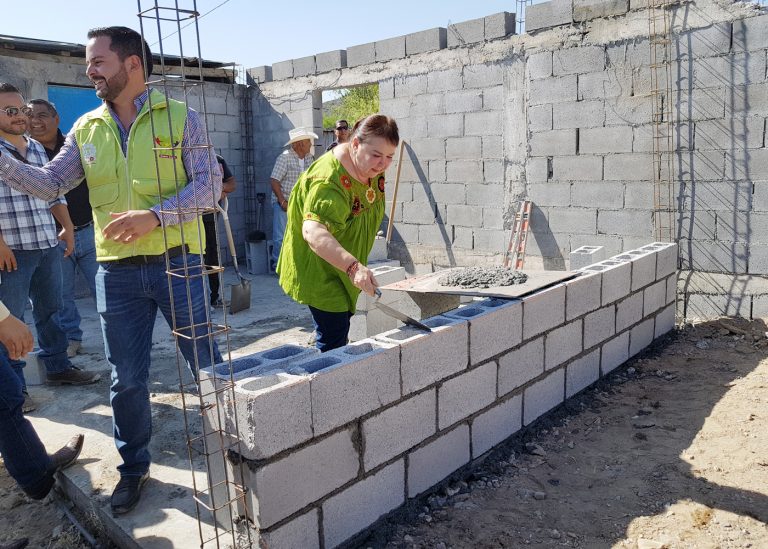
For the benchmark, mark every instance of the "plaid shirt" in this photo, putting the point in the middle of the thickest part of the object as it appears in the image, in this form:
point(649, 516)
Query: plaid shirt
point(26, 222)
point(287, 171)
point(65, 171)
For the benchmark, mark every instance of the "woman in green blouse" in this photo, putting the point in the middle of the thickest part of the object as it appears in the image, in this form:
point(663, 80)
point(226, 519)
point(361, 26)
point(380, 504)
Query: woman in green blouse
point(334, 212)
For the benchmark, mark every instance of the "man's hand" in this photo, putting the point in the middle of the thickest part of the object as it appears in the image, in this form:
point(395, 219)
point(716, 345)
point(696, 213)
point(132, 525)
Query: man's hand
point(127, 226)
point(16, 337)
point(7, 259)
point(67, 236)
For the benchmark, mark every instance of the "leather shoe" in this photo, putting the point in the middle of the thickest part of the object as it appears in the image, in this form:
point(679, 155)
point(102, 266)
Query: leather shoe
point(15, 544)
point(67, 455)
point(72, 376)
point(127, 493)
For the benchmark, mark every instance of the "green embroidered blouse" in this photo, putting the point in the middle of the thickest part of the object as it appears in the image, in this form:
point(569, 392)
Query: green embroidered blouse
point(351, 210)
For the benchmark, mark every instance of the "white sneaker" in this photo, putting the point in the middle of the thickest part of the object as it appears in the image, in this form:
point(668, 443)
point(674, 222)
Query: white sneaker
point(73, 348)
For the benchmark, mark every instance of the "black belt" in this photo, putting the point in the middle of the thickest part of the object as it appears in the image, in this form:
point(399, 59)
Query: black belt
point(84, 226)
point(147, 259)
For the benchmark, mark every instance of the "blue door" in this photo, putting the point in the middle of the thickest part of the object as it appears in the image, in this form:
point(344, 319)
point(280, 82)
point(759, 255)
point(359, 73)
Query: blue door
point(72, 102)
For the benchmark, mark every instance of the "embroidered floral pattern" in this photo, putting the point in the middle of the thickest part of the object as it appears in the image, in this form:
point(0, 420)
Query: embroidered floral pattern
point(370, 195)
point(356, 208)
point(345, 182)
point(381, 183)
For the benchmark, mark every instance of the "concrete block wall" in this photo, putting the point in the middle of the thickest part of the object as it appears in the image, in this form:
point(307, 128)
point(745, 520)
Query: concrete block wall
point(392, 416)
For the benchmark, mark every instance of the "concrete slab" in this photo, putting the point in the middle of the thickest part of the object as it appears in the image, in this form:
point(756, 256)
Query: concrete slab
point(165, 517)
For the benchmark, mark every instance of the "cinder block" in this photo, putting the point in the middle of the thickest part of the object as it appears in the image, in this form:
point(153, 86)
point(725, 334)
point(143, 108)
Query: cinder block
point(654, 297)
point(358, 326)
point(430, 464)
point(616, 279)
point(362, 504)
point(426, 358)
point(641, 336)
point(581, 373)
point(418, 305)
point(629, 311)
point(613, 139)
point(543, 395)
point(462, 396)
point(540, 117)
point(499, 25)
point(562, 343)
point(496, 425)
point(519, 366)
point(389, 49)
point(378, 252)
point(599, 326)
point(466, 32)
point(463, 101)
point(543, 310)
point(581, 59)
point(750, 34)
point(282, 487)
point(707, 307)
point(261, 74)
point(300, 532)
point(424, 41)
point(487, 76)
point(586, 255)
point(495, 326)
point(582, 294)
point(643, 267)
point(665, 321)
point(614, 353)
point(626, 223)
point(666, 259)
point(548, 14)
point(331, 60)
point(399, 428)
point(539, 65)
point(282, 70)
point(553, 143)
point(304, 66)
point(671, 288)
point(577, 168)
point(552, 90)
point(586, 10)
point(367, 378)
point(34, 370)
point(363, 54)
point(384, 275)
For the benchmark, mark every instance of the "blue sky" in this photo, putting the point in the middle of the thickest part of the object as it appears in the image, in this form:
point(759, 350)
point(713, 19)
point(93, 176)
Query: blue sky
point(251, 32)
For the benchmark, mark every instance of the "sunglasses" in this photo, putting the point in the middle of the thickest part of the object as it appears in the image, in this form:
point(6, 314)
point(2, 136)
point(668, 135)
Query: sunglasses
point(14, 111)
point(343, 128)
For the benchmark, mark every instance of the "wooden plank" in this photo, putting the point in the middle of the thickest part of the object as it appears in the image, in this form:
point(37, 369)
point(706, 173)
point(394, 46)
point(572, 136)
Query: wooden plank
point(428, 284)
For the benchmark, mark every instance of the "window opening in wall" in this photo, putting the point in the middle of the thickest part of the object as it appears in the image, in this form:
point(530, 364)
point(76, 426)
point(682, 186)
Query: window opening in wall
point(348, 104)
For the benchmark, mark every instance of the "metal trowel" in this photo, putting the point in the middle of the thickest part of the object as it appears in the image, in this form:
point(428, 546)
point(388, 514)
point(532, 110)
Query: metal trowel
point(240, 294)
point(402, 317)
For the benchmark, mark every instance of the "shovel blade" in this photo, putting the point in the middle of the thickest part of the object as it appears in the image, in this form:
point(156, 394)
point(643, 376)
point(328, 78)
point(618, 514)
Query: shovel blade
point(240, 296)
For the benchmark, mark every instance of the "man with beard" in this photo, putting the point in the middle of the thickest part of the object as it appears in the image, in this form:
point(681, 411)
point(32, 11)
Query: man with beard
point(44, 127)
point(145, 187)
point(30, 262)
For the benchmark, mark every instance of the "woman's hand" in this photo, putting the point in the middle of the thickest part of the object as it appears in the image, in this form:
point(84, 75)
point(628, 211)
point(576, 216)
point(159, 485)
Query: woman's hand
point(363, 278)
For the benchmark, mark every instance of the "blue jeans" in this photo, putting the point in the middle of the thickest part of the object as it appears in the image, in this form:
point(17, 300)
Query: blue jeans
point(83, 258)
point(38, 277)
point(24, 455)
point(128, 298)
point(279, 222)
point(331, 329)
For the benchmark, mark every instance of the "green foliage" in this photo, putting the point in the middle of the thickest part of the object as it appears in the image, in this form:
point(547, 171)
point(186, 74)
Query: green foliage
point(354, 103)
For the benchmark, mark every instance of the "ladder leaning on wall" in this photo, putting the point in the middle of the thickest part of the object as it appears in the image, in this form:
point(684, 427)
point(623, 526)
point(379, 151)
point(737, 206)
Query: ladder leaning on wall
point(662, 129)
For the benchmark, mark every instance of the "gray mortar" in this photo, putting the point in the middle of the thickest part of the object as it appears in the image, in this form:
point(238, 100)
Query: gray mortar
point(483, 277)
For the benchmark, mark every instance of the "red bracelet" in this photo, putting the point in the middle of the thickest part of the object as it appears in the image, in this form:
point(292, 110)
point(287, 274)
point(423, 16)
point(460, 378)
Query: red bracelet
point(352, 269)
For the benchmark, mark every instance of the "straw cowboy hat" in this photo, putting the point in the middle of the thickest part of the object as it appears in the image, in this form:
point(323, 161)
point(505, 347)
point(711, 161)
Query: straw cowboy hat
point(300, 134)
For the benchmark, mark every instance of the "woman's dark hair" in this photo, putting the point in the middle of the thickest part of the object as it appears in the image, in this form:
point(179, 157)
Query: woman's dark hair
point(377, 125)
point(126, 42)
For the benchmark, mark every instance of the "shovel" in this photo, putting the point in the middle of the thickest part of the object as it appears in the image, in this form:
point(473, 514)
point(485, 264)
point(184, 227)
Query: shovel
point(240, 294)
point(402, 317)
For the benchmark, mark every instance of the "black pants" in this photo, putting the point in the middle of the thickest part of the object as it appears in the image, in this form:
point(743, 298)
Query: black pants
point(211, 255)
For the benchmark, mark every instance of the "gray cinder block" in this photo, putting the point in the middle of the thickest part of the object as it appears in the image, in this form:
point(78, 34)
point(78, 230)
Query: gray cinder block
point(599, 326)
point(261, 74)
point(543, 310)
point(521, 365)
point(304, 66)
point(578, 60)
point(585, 10)
point(426, 358)
point(586, 255)
point(665, 321)
point(581, 373)
point(543, 395)
point(629, 311)
point(437, 460)
point(496, 425)
point(424, 41)
point(617, 278)
point(641, 336)
point(34, 371)
point(547, 15)
point(614, 353)
point(557, 89)
point(389, 49)
point(465, 32)
point(654, 297)
point(282, 70)
point(398, 428)
point(363, 54)
point(495, 326)
point(562, 343)
point(582, 294)
point(499, 25)
point(300, 532)
point(461, 396)
point(331, 60)
point(553, 143)
point(367, 378)
point(362, 504)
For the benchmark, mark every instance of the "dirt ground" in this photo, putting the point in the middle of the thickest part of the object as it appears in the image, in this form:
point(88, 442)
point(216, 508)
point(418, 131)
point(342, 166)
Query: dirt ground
point(667, 451)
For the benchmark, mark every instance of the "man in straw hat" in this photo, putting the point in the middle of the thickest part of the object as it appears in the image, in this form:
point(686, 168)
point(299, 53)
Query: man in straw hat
point(288, 168)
